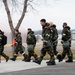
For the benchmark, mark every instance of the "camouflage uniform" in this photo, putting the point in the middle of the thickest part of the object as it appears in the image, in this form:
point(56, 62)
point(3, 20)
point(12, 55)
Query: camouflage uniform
point(55, 42)
point(31, 42)
point(18, 47)
point(47, 45)
point(55, 38)
point(66, 43)
point(2, 47)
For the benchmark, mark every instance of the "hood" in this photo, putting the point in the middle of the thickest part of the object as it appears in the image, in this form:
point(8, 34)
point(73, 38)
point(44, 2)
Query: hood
point(32, 32)
point(46, 25)
point(68, 27)
point(54, 26)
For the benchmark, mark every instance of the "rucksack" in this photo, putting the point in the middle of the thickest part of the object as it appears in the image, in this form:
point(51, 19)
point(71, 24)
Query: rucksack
point(4, 40)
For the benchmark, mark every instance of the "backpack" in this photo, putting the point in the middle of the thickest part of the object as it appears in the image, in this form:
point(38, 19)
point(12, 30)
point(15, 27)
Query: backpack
point(4, 40)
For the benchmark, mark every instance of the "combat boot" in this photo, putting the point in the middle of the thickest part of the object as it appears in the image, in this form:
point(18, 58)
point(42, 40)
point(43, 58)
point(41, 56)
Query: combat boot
point(51, 63)
point(5, 56)
point(28, 59)
point(69, 60)
point(13, 59)
point(59, 57)
point(48, 61)
point(37, 61)
point(25, 57)
point(7, 59)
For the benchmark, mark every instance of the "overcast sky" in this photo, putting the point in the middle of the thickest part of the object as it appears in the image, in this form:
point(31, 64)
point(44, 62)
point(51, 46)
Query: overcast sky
point(58, 12)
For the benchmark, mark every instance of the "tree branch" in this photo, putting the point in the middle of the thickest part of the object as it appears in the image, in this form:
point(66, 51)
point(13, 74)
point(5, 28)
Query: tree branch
point(23, 14)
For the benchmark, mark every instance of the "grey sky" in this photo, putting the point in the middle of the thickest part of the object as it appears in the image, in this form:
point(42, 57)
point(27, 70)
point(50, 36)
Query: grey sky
point(58, 12)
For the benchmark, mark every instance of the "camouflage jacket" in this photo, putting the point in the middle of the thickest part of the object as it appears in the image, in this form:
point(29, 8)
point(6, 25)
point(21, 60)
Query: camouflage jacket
point(54, 32)
point(18, 39)
point(43, 29)
point(31, 39)
point(48, 34)
point(66, 34)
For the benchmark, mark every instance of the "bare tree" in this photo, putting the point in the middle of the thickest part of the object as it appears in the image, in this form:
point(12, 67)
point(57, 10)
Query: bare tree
point(10, 21)
point(9, 15)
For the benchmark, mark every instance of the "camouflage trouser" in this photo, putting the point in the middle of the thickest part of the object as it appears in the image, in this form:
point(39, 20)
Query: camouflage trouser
point(31, 53)
point(2, 53)
point(17, 49)
point(67, 51)
point(55, 47)
point(48, 50)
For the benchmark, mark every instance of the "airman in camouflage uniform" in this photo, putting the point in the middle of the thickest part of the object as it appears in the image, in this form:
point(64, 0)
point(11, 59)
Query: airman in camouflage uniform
point(66, 43)
point(2, 47)
point(54, 40)
point(55, 37)
point(18, 46)
point(47, 43)
point(31, 42)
